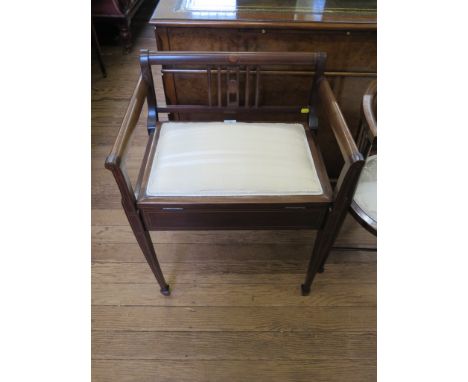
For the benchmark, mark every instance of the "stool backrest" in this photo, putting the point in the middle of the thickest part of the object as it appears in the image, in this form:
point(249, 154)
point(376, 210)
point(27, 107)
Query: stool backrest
point(233, 80)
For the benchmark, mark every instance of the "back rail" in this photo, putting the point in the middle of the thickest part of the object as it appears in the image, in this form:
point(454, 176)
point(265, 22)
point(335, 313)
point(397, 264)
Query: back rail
point(233, 65)
point(235, 58)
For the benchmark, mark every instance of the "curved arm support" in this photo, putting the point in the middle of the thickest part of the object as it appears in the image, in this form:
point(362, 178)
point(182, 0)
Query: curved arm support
point(354, 161)
point(115, 159)
point(334, 118)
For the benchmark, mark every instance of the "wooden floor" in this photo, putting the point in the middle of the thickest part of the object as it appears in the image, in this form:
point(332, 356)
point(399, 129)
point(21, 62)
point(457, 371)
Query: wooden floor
point(235, 313)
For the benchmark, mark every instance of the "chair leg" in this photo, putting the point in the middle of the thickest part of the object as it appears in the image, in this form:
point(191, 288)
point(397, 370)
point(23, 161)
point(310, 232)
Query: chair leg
point(322, 247)
point(144, 241)
point(324, 261)
point(314, 264)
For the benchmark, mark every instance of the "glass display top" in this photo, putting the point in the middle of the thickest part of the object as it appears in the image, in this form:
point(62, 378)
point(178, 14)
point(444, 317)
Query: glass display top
point(300, 6)
point(358, 11)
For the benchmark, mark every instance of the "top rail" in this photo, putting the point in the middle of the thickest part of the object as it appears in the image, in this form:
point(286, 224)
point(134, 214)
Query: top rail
point(234, 58)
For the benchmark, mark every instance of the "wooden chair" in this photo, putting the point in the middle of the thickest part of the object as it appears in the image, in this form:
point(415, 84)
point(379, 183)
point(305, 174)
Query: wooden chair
point(364, 204)
point(236, 175)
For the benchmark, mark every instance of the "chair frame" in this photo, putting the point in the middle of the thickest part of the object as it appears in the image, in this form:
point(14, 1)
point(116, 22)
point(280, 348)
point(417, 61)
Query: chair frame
point(367, 142)
point(324, 213)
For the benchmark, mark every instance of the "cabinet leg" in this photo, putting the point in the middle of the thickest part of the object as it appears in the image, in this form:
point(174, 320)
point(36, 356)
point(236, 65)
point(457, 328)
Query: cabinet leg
point(97, 49)
point(125, 36)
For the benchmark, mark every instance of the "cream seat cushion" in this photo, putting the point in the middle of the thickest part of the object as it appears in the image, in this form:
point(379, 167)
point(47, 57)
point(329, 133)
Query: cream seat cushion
point(366, 190)
point(232, 159)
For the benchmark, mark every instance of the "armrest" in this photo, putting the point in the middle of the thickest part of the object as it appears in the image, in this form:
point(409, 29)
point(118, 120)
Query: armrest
point(116, 157)
point(335, 119)
point(354, 160)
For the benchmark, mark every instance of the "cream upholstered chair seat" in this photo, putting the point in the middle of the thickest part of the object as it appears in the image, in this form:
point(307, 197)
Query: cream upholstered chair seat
point(366, 191)
point(232, 159)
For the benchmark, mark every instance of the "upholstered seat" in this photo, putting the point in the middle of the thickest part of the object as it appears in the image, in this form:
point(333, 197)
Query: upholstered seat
point(232, 159)
point(366, 191)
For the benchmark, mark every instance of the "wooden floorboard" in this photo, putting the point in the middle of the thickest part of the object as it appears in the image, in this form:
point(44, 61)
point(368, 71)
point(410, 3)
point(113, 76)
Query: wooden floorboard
point(279, 272)
point(187, 252)
point(234, 370)
point(225, 345)
point(235, 313)
point(254, 294)
point(233, 318)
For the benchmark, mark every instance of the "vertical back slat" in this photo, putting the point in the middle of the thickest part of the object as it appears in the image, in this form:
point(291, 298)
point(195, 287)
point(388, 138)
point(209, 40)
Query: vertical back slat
point(237, 84)
point(228, 73)
point(219, 85)
point(247, 86)
point(208, 73)
point(232, 86)
point(257, 86)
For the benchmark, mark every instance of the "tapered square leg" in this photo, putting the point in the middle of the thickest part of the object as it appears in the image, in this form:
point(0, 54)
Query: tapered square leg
point(322, 247)
point(146, 245)
point(305, 290)
point(315, 263)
